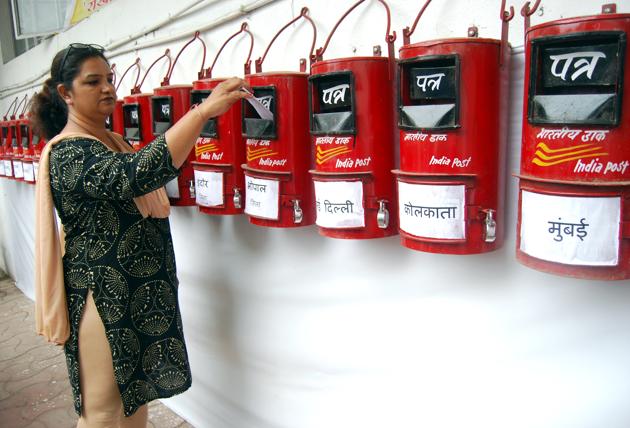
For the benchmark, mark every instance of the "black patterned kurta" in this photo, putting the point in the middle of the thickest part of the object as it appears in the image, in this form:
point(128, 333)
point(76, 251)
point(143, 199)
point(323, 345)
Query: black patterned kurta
point(126, 260)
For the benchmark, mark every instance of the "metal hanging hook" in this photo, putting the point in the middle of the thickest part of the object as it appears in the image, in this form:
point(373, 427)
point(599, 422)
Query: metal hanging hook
point(526, 12)
point(248, 62)
point(136, 63)
point(11, 105)
point(18, 106)
point(200, 74)
point(506, 17)
point(407, 32)
point(113, 70)
point(390, 38)
point(167, 54)
point(311, 56)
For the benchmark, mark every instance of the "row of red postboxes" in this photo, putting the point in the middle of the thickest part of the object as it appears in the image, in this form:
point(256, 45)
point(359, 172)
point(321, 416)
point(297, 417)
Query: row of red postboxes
point(20, 148)
point(336, 128)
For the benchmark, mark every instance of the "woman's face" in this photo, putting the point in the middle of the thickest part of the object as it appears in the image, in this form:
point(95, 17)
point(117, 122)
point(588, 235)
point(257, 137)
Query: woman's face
point(93, 94)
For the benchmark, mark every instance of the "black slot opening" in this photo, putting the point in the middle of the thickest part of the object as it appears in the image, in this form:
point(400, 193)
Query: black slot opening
point(14, 141)
point(210, 127)
point(331, 99)
point(255, 126)
point(429, 92)
point(162, 114)
point(35, 139)
point(132, 122)
point(24, 134)
point(577, 79)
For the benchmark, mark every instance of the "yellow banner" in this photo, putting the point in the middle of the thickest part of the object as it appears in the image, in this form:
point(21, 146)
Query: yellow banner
point(84, 8)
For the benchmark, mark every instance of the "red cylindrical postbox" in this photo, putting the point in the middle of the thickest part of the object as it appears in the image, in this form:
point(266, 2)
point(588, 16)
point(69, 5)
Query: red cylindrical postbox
point(219, 150)
point(352, 129)
point(168, 104)
point(574, 190)
point(278, 189)
point(452, 120)
point(137, 124)
point(26, 142)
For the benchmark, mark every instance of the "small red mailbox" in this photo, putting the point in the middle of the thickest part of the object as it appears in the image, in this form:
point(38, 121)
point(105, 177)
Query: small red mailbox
point(16, 152)
point(38, 146)
point(278, 189)
point(26, 141)
point(115, 120)
point(352, 128)
point(219, 151)
point(574, 199)
point(137, 125)
point(168, 104)
point(452, 117)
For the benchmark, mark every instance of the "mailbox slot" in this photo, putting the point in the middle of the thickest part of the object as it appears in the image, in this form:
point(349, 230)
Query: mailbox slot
point(253, 125)
point(132, 122)
point(24, 134)
point(210, 127)
point(162, 109)
point(577, 79)
point(429, 92)
point(332, 101)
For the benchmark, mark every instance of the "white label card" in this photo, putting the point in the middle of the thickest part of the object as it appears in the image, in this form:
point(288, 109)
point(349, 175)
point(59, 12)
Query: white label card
point(2, 168)
point(571, 230)
point(432, 211)
point(17, 169)
point(172, 188)
point(208, 188)
point(262, 197)
point(8, 168)
point(339, 204)
point(29, 174)
point(35, 169)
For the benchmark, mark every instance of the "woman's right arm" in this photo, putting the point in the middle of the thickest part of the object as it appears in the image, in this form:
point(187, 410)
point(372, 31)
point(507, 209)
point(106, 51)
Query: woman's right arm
point(181, 137)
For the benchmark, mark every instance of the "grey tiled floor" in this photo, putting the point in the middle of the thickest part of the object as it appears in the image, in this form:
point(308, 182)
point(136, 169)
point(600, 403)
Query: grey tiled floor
point(34, 387)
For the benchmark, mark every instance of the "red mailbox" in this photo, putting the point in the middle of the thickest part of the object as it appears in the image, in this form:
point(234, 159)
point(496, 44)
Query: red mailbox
point(278, 189)
point(352, 128)
point(219, 150)
point(26, 141)
point(452, 119)
point(16, 152)
point(168, 104)
point(115, 120)
point(7, 150)
point(137, 125)
point(38, 146)
point(574, 198)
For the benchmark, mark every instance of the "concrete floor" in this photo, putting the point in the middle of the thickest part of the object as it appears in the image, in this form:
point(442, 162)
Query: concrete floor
point(34, 387)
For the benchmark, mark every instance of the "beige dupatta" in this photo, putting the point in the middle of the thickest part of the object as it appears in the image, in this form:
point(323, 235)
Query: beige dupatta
point(51, 309)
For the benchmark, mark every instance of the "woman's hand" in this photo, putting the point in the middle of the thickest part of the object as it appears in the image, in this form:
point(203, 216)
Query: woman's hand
point(222, 97)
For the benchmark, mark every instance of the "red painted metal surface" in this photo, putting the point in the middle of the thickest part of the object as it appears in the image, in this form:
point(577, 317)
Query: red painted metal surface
point(471, 150)
point(352, 131)
point(28, 151)
point(577, 158)
point(178, 96)
point(224, 153)
point(285, 158)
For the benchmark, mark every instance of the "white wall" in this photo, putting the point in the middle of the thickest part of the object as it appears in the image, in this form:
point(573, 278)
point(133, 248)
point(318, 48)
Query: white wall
point(289, 329)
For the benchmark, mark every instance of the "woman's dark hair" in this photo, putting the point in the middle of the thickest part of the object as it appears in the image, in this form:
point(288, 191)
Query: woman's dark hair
point(49, 112)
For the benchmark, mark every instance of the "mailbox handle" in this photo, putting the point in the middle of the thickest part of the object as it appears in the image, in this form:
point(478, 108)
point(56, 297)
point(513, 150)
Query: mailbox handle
point(136, 64)
point(407, 32)
point(167, 54)
point(526, 12)
point(167, 79)
point(303, 14)
point(248, 62)
point(389, 38)
point(18, 106)
point(11, 105)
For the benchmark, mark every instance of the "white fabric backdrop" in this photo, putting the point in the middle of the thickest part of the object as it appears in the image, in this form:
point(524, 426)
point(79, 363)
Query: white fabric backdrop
point(288, 329)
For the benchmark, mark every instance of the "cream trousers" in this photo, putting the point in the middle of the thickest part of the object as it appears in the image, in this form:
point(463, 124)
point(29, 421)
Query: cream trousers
point(102, 406)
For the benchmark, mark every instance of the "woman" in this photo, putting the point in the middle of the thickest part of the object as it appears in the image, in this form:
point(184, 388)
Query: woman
point(124, 342)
